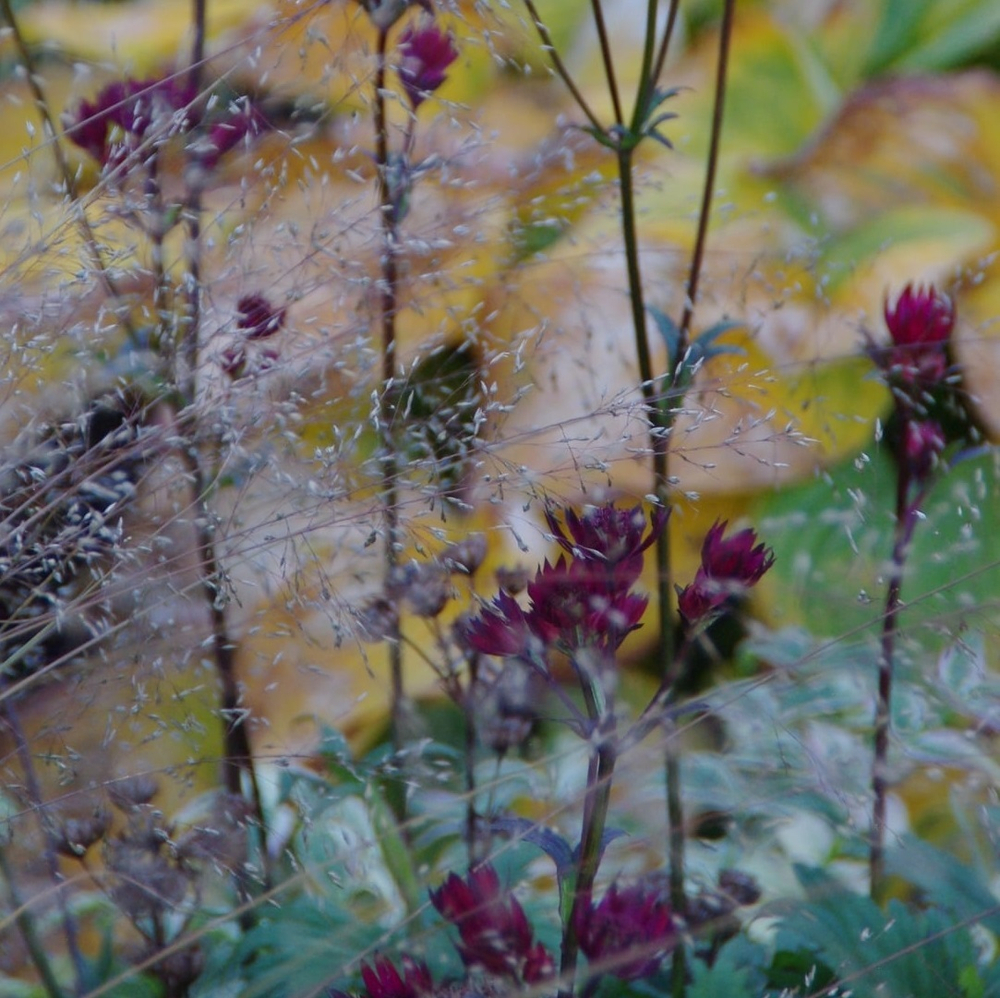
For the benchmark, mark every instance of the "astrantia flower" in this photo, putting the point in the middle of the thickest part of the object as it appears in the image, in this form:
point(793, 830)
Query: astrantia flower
point(610, 537)
point(581, 601)
point(501, 629)
point(493, 928)
point(258, 318)
point(629, 931)
point(920, 324)
point(424, 57)
point(383, 980)
point(113, 126)
point(729, 566)
point(575, 603)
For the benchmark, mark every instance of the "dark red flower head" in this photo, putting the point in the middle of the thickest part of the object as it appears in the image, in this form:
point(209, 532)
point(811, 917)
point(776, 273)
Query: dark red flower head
point(424, 57)
point(493, 928)
point(581, 601)
point(610, 537)
point(383, 980)
point(629, 931)
point(258, 318)
point(112, 126)
point(920, 324)
point(729, 566)
point(238, 126)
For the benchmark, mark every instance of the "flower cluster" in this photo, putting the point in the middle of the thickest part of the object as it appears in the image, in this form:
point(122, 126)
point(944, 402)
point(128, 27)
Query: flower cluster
point(915, 366)
point(494, 931)
point(585, 598)
point(257, 319)
point(112, 127)
point(729, 567)
point(126, 114)
point(920, 325)
point(383, 980)
point(627, 932)
point(424, 57)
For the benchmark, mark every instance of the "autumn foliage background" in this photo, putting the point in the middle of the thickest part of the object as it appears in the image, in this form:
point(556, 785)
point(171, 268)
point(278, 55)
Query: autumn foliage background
point(859, 154)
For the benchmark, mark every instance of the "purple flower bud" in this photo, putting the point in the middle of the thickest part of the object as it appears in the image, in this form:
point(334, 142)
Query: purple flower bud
point(920, 324)
point(383, 980)
point(493, 928)
point(258, 318)
point(628, 932)
point(729, 566)
point(424, 57)
point(237, 127)
point(923, 444)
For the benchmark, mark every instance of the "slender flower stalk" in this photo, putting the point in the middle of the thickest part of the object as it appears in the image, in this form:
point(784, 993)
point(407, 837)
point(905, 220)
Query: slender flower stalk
point(915, 367)
point(388, 306)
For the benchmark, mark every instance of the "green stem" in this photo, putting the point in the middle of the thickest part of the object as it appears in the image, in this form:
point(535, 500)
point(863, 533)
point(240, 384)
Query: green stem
point(26, 926)
point(646, 79)
point(609, 68)
point(708, 192)
point(560, 67)
point(595, 813)
point(668, 34)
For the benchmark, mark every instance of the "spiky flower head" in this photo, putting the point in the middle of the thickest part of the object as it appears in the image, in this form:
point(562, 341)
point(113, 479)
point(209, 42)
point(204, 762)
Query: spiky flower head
point(729, 566)
point(494, 931)
point(425, 53)
point(920, 324)
point(628, 932)
point(383, 980)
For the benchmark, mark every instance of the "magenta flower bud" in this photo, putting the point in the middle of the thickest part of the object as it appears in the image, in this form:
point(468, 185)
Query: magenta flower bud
point(923, 444)
point(493, 928)
point(383, 980)
point(424, 57)
point(258, 318)
point(729, 566)
point(920, 324)
point(629, 932)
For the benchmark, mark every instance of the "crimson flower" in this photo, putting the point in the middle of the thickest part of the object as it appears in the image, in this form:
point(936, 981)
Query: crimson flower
point(112, 126)
point(610, 537)
point(580, 601)
point(920, 324)
point(729, 566)
point(258, 318)
point(493, 928)
point(240, 125)
point(630, 930)
point(424, 57)
point(383, 980)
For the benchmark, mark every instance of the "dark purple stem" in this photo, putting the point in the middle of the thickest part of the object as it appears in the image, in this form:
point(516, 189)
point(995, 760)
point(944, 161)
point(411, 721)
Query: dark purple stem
point(906, 520)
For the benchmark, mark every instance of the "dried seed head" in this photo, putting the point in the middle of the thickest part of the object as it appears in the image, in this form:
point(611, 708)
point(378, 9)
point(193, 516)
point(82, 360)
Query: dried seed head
point(512, 580)
point(133, 791)
point(377, 620)
point(147, 883)
point(77, 834)
point(465, 556)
